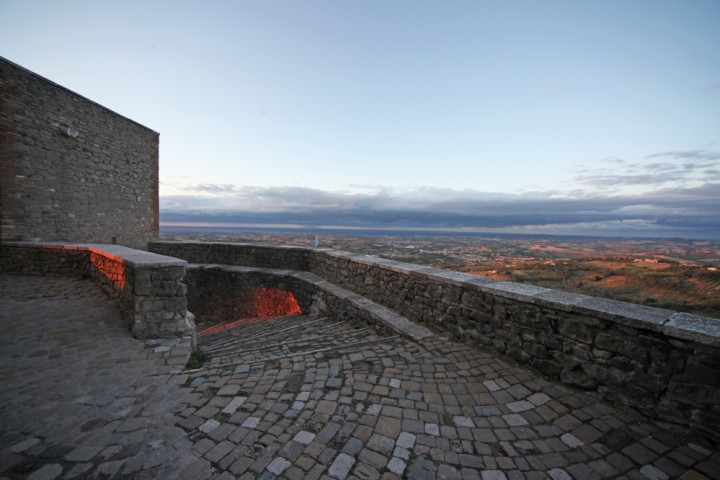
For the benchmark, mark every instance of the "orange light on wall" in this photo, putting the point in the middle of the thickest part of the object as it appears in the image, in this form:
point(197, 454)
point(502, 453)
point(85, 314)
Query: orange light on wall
point(111, 269)
point(265, 304)
point(273, 301)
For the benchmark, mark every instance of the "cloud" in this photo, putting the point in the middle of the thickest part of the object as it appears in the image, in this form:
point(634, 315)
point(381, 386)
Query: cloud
point(684, 211)
point(688, 155)
point(670, 168)
point(675, 193)
point(214, 189)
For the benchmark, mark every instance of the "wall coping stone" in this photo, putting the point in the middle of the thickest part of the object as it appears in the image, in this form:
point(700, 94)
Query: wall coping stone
point(630, 314)
point(685, 326)
point(129, 256)
point(695, 328)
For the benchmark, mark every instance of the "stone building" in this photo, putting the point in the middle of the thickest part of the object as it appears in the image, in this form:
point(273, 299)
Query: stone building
point(72, 170)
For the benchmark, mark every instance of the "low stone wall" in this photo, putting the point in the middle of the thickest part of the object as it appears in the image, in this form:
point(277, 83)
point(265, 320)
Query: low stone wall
point(148, 287)
point(244, 254)
point(220, 293)
point(663, 363)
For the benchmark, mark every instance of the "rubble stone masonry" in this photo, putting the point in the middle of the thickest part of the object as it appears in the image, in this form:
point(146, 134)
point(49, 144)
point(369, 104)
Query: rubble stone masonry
point(72, 170)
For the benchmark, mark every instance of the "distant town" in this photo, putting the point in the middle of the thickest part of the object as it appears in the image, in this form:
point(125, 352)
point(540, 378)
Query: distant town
point(677, 274)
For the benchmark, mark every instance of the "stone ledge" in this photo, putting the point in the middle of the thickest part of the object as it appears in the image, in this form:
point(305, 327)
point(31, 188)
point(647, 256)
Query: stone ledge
point(129, 256)
point(703, 330)
point(695, 328)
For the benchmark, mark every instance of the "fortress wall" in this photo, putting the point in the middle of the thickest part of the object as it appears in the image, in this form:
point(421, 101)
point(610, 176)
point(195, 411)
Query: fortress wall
point(148, 288)
point(663, 363)
point(70, 169)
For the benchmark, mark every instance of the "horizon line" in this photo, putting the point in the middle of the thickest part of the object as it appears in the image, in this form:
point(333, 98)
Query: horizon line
point(299, 228)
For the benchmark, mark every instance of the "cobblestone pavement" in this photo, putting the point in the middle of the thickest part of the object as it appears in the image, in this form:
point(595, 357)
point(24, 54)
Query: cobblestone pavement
point(79, 397)
point(296, 397)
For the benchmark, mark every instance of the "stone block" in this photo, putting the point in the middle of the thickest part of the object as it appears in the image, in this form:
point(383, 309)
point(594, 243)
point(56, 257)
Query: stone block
point(575, 330)
point(536, 350)
point(577, 376)
point(695, 328)
point(518, 354)
point(549, 367)
point(622, 345)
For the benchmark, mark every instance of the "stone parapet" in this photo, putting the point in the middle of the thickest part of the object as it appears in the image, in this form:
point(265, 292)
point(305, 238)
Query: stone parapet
point(148, 287)
point(245, 254)
point(663, 363)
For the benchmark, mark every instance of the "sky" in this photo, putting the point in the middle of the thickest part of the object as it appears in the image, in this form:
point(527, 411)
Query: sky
point(548, 117)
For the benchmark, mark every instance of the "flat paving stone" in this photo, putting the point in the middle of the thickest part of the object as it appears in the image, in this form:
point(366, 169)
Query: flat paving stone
point(396, 465)
point(341, 466)
point(295, 397)
point(422, 469)
point(95, 384)
point(46, 472)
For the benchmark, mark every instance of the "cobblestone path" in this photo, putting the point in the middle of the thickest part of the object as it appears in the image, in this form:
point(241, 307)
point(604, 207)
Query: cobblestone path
point(296, 398)
point(79, 397)
point(308, 398)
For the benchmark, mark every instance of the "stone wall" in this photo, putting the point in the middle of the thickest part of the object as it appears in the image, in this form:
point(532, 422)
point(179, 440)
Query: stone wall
point(244, 254)
point(70, 169)
point(663, 363)
point(148, 288)
point(221, 293)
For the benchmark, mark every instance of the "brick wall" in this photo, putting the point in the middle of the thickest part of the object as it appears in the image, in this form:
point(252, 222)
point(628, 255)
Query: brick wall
point(70, 169)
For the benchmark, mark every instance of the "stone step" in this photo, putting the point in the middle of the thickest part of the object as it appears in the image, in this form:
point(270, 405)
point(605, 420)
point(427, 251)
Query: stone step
point(256, 332)
point(256, 342)
point(239, 327)
point(335, 350)
point(281, 340)
point(286, 349)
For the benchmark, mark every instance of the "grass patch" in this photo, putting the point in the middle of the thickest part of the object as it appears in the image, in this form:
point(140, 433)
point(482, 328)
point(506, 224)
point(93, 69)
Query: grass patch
point(197, 357)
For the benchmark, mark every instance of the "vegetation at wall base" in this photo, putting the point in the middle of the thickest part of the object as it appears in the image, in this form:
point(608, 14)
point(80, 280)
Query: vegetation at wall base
point(197, 358)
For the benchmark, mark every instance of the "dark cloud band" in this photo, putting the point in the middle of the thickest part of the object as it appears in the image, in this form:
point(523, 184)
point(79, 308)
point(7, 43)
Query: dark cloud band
point(681, 211)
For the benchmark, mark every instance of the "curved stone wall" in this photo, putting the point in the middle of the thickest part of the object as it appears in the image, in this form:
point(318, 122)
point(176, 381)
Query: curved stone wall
point(148, 288)
point(664, 363)
point(219, 294)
